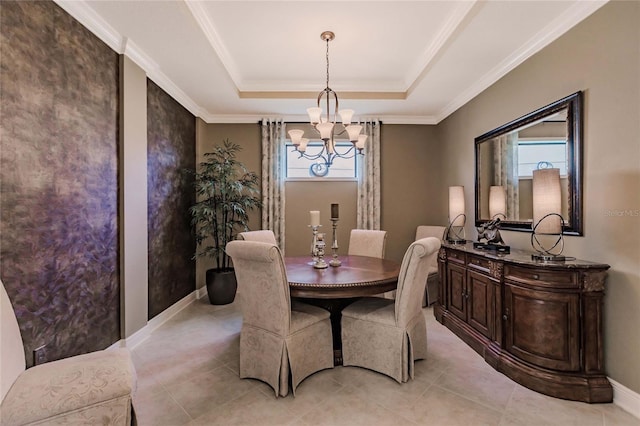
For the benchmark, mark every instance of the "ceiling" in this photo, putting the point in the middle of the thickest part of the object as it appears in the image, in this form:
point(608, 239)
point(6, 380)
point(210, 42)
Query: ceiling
point(411, 62)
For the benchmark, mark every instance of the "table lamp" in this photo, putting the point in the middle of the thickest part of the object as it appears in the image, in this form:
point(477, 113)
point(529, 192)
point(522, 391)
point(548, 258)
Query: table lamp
point(455, 230)
point(497, 202)
point(547, 237)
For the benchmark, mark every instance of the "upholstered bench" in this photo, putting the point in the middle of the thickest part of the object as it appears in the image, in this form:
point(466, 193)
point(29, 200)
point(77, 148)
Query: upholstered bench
point(95, 388)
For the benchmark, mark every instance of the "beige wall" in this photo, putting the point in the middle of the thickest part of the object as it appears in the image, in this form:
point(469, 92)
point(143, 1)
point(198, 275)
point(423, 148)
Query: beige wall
point(301, 197)
point(245, 135)
point(411, 185)
point(410, 164)
point(601, 57)
point(133, 198)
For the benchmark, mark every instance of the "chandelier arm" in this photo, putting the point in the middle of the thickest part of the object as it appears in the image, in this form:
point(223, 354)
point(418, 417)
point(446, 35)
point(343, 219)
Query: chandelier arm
point(345, 154)
point(309, 156)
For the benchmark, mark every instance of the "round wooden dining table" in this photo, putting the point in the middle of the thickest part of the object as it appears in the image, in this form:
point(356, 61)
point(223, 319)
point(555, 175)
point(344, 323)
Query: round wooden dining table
point(334, 288)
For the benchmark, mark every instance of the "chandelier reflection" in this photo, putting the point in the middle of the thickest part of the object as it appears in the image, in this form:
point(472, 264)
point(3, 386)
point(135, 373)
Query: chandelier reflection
point(327, 126)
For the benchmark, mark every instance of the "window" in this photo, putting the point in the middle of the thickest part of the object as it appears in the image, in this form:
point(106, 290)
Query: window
point(298, 167)
point(547, 153)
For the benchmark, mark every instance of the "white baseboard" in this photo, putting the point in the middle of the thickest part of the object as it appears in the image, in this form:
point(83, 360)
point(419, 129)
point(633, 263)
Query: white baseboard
point(143, 334)
point(201, 292)
point(626, 399)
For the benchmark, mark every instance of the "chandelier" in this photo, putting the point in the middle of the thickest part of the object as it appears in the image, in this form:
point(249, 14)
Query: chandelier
point(326, 125)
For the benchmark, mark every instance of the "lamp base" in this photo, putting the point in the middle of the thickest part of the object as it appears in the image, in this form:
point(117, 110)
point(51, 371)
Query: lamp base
point(456, 241)
point(498, 248)
point(539, 257)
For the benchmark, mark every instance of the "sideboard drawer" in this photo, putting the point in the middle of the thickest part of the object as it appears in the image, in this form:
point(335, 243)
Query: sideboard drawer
point(456, 256)
point(541, 278)
point(479, 264)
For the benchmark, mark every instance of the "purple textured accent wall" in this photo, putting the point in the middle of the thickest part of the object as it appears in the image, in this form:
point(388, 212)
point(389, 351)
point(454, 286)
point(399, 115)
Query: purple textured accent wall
point(171, 137)
point(58, 191)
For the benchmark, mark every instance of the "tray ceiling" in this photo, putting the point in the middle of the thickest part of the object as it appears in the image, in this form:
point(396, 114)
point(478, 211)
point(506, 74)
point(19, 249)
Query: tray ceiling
point(400, 61)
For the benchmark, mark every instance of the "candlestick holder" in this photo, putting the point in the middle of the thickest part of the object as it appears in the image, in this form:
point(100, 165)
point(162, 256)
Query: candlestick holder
point(314, 241)
point(319, 259)
point(334, 246)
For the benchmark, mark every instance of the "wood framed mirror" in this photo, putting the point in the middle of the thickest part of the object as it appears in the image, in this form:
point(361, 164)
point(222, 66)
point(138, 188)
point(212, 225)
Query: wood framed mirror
point(506, 157)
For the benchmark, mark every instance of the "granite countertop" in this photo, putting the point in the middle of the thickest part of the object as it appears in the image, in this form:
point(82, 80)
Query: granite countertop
point(523, 257)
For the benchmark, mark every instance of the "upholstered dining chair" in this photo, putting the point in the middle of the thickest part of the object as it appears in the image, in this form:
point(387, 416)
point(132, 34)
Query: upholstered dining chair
point(94, 388)
point(279, 337)
point(385, 335)
point(433, 281)
point(366, 242)
point(264, 236)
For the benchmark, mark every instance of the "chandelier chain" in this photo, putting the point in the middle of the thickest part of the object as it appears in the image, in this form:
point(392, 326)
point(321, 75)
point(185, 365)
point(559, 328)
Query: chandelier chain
point(327, 63)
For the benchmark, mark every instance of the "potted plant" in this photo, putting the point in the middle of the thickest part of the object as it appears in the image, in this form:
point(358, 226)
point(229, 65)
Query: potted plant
point(226, 191)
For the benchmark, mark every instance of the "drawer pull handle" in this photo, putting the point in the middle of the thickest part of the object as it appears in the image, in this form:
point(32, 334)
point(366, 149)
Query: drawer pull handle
point(536, 276)
point(504, 317)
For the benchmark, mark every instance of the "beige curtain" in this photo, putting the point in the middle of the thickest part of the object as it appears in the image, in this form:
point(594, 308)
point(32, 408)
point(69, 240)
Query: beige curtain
point(506, 171)
point(273, 200)
point(368, 212)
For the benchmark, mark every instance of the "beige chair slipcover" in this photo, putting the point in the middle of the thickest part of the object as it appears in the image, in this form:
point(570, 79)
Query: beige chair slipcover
point(431, 290)
point(95, 388)
point(389, 335)
point(365, 242)
point(279, 336)
point(264, 236)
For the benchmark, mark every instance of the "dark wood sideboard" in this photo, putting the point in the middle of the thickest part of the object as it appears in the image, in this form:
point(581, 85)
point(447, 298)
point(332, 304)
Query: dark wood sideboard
point(539, 323)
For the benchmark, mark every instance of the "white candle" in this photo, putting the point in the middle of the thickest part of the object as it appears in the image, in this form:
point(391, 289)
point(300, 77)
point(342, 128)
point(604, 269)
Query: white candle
point(314, 217)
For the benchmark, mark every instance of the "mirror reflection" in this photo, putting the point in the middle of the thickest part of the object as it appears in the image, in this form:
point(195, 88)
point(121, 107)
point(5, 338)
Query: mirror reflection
point(506, 158)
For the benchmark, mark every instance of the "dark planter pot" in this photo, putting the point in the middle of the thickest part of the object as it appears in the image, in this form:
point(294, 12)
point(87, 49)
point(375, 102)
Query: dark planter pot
point(221, 286)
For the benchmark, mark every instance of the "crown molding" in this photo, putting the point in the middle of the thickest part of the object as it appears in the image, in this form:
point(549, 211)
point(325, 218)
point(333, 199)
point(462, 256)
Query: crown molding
point(88, 17)
point(202, 19)
point(563, 23)
point(248, 119)
point(83, 13)
point(314, 95)
point(446, 32)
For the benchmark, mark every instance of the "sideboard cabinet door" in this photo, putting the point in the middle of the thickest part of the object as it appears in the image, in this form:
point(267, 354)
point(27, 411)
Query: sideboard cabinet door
point(457, 288)
point(542, 327)
point(481, 307)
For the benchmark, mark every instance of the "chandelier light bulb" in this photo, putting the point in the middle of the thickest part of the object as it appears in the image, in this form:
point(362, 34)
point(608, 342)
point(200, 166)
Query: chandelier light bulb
point(296, 136)
point(346, 115)
point(326, 130)
point(361, 140)
point(354, 132)
point(314, 115)
point(303, 144)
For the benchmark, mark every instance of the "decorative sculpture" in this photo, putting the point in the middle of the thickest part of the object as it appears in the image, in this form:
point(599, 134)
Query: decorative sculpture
point(490, 231)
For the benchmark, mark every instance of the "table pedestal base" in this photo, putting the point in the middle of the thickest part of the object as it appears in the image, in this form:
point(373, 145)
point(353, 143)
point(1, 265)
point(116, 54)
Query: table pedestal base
point(335, 307)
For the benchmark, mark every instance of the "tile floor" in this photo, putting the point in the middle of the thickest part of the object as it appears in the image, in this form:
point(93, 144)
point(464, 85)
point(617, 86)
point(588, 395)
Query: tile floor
point(188, 374)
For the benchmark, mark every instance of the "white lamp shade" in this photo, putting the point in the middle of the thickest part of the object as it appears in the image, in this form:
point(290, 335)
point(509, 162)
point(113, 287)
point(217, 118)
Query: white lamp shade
point(314, 114)
point(361, 140)
point(325, 130)
point(497, 201)
point(295, 136)
point(346, 115)
point(303, 144)
point(456, 205)
point(547, 199)
point(354, 132)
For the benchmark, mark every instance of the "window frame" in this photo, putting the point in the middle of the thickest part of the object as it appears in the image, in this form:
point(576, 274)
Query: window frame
point(287, 146)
